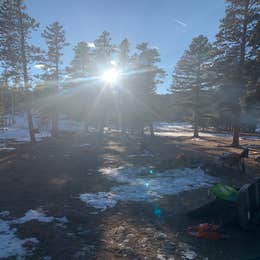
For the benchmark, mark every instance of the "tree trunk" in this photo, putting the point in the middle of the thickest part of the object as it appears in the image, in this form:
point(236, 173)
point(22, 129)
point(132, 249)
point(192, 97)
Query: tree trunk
point(26, 76)
point(195, 115)
point(142, 131)
point(86, 127)
point(237, 113)
point(151, 130)
point(236, 129)
point(196, 126)
point(101, 128)
point(55, 126)
point(13, 105)
point(30, 125)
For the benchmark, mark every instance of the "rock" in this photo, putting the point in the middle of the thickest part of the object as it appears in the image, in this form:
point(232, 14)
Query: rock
point(160, 235)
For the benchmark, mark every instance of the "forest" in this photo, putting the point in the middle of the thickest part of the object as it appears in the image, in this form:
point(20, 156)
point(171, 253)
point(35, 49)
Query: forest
point(94, 142)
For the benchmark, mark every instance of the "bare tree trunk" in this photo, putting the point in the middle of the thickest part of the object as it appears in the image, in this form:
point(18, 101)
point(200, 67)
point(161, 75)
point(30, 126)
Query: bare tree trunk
point(13, 105)
point(236, 128)
point(151, 130)
point(196, 126)
point(237, 113)
point(195, 116)
point(235, 141)
point(101, 128)
point(55, 126)
point(26, 77)
point(30, 124)
point(142, 130)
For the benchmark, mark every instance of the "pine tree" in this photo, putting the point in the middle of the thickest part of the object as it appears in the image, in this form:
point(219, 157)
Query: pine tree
point(80, 65)
point(123, 100)
point(143, 82)
point(54, 36)
point(102, 57)
point(124, 58)
point(16, 51)
point(191, 77)
point(233, 46)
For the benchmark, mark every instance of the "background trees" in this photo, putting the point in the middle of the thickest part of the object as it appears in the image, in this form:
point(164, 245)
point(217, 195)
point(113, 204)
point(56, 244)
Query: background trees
point(54, 36)
point(191, 79)
point(213, 84)
point(16, 51)
point(234, 49)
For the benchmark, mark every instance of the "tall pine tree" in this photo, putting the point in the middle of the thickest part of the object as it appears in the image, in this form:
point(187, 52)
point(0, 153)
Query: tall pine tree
point(16, 29)
point(191, 77)
point(233, 44)
point(54, 36)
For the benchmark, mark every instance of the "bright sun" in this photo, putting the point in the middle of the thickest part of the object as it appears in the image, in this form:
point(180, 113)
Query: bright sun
point(110, 76)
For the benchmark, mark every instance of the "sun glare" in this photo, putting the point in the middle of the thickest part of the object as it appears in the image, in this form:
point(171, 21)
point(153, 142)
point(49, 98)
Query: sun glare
point(110, 76)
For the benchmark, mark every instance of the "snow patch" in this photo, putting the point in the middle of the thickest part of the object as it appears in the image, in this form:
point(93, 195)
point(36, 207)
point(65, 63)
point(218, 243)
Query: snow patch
point(189, 254)
point(4, 213)
point(144, 184)
point(251, 137)
point(185, 129)
point(10, 244)
point(100, 200)
point(39, 216)
point(19, 130)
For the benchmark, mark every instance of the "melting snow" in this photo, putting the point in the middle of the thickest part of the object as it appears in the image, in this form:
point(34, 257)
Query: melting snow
point(100, 200)
point(4, 213)
point(10, 244)
point(143, 184)
point(185, 129)
point(39, 216)
point(19, 130)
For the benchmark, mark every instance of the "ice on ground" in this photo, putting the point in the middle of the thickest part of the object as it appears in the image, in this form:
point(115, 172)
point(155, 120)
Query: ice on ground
point(144, 184)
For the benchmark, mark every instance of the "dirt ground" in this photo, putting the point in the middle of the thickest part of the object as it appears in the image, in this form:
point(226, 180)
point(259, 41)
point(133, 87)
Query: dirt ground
point(51, 174)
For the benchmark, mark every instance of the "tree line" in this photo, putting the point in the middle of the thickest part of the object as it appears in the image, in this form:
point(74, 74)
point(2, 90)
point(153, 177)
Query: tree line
point(213, 84)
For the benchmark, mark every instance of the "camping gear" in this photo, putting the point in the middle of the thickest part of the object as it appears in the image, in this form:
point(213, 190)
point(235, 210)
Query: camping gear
point(249, 205)
point(205, 230)
point(230, 206)
point(224, 192)
point(235, 159)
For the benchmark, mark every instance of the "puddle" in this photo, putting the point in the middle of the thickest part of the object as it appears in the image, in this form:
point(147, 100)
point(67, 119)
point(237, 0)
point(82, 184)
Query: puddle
point(144, 184)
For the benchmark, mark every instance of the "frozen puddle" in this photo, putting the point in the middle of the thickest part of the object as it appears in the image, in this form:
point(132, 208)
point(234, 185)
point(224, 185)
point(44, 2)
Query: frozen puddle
point(10, 244)
point(144, 184)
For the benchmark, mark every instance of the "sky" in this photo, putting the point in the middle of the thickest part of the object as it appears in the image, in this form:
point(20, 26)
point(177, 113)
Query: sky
point(168, 25)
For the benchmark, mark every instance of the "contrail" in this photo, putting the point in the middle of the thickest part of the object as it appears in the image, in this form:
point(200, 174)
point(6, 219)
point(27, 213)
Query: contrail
point(180, 23)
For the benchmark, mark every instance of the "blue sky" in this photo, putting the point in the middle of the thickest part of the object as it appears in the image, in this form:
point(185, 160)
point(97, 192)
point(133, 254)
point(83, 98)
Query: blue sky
point(169, 25)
